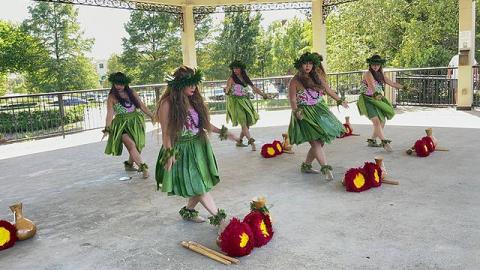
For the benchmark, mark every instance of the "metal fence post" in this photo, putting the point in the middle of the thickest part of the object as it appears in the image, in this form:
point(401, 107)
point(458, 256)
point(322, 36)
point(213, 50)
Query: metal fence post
point(62, 113)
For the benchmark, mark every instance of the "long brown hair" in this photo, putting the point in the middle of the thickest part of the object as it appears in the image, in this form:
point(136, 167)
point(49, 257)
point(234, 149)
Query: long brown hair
point(245, 77)
point(179, 103)
point(377, 75)
point(129, 91)
point(310, 80)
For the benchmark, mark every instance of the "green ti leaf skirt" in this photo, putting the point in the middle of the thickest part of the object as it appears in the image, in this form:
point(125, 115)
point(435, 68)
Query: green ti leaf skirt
point(240, 110)
point(318, 124)
point(132, 124)
point(372, 107)
point(195, 171)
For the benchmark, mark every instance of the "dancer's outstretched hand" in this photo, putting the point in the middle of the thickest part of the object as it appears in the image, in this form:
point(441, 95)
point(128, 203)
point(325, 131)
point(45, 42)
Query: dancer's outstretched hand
point(169, 164)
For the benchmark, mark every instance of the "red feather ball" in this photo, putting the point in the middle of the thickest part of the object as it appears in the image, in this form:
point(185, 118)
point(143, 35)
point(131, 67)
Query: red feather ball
point(421, 149)
point(268, 150)
point(429, 142)
point(355, 180)
point(237, 239)
point(278, 147)
point(261, 226)
point(373, 174)
point(13, 234)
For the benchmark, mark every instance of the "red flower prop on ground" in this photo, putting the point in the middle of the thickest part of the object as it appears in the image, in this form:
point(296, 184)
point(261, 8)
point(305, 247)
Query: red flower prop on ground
point(373, 174)
point(421, 148)
point(8, 234)
point(237, 239)
point(278, 147)
point(348, 129)
point(261, 226)
point(429, 142)
point(268, 151)
point(355, 180)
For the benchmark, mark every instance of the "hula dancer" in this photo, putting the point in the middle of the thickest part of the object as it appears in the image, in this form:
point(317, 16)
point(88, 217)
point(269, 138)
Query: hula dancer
point(373, 104)
point(186, 164)
point(240, 109)
point(311, 120)
point(128, 126)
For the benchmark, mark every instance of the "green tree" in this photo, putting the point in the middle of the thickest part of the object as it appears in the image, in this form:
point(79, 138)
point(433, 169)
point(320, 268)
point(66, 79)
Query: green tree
point(3, 84)
point(263, 63)
point(289, 40)
point(205, 37)
point(431, 34)
point(19, 52)
point(114, 64)
point(17, 85)
point(237, 40)
point(68, 68)
point(409, 33)
point(153, 47)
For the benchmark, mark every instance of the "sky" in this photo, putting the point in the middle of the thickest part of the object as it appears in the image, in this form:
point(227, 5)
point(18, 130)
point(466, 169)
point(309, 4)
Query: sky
point(106, 25)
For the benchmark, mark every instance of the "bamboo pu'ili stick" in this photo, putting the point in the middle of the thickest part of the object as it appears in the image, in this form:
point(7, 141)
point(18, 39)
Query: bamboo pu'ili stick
point(221, 255)
point(205, 253)
point(390, 182)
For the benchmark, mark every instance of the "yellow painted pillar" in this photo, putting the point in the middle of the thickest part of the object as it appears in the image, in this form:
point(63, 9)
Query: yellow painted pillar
point(319, 29)
point(466, 48)
point(188, 37)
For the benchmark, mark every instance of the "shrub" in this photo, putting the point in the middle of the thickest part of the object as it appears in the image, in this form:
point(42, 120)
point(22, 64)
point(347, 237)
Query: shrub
point(23, 121)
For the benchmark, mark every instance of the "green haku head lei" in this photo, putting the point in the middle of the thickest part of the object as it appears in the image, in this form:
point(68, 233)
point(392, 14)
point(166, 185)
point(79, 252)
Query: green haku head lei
point(237, 64)
point(313, 58)
point(376, 59)
point(119, 78)
point(181, 83)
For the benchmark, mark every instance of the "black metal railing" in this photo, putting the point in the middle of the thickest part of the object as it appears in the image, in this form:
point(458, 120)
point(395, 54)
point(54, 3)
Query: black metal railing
point(427, 87)
point(41, 115)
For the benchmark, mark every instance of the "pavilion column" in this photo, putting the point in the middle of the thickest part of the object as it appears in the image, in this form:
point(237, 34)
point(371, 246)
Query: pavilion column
point(319, 29)
point(466, 48)
point(188, 37)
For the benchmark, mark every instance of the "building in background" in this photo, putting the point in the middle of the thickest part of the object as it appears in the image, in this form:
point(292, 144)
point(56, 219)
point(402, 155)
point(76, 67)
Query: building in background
point(101, 67)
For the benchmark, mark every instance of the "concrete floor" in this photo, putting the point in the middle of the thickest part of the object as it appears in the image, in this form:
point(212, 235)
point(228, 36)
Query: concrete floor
point(87, 219)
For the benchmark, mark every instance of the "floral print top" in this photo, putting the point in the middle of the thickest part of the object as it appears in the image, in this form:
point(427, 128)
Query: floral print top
point(308, 97)
point(239, 90)
point(192, 123)
point(129, 107)
point(370, 92)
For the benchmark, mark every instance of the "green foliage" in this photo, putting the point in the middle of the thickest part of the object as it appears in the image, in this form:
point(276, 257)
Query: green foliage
point(77, 73)
point(153, 47)
point(19, 51)
point(18, 85)
point(114, 64)
point(34, 120)
point(407, 33)
point(67, 68)
point(289, 40)
point(237, 40)
point(49, 49)
point(3, 84)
